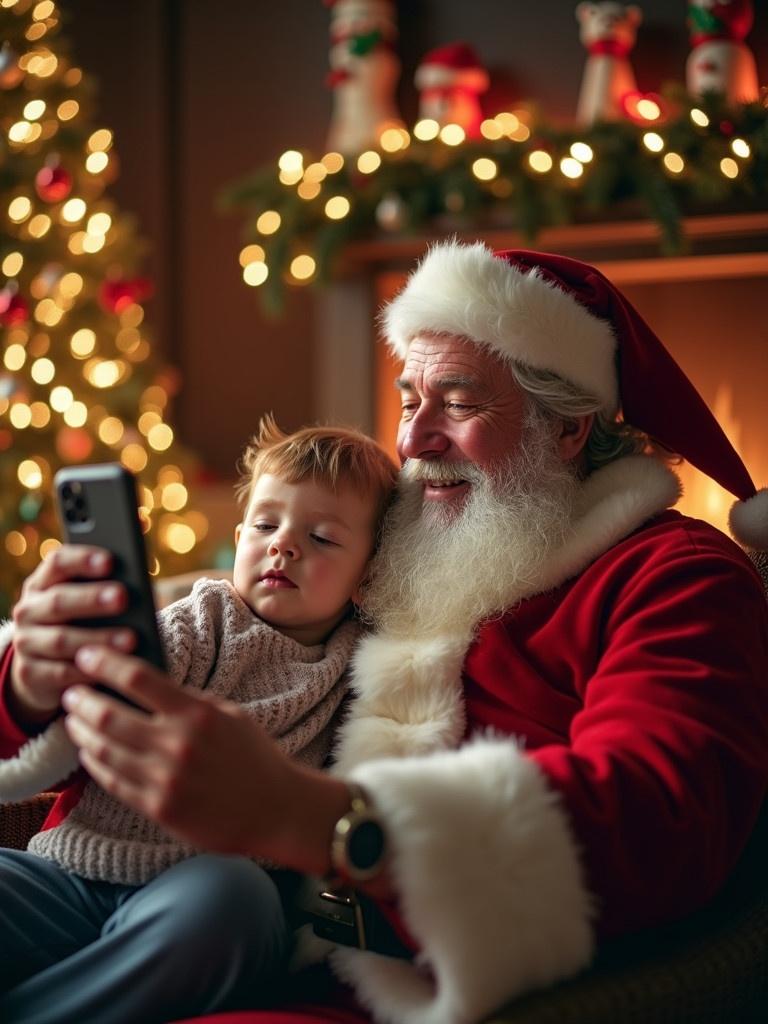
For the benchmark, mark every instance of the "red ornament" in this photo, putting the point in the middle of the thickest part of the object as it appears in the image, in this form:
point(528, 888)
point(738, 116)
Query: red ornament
point(53, 183)
point(13, 308)
point(117, 295)
point(74, 444)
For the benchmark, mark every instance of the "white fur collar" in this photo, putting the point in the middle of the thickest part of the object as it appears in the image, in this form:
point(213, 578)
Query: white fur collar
point(408, 691)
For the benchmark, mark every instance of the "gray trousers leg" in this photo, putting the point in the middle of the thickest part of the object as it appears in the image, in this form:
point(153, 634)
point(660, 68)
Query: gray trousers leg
point(199, 937)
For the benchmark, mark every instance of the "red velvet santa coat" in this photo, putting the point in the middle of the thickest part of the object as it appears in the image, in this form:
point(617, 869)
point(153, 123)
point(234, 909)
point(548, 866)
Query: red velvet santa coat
point(628, 697)
point(627, 694)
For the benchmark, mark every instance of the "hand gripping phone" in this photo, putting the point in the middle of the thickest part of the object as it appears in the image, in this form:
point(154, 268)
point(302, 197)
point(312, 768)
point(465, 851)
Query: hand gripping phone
point(97, 505)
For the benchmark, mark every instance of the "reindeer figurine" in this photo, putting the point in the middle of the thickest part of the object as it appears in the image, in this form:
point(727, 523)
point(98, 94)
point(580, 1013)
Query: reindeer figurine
point(608, 32)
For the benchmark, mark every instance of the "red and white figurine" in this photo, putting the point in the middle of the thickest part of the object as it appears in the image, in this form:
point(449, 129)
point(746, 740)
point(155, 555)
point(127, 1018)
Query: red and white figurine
point(608, 31)
point(364, 72)
point(720, 61)
point(450, 81)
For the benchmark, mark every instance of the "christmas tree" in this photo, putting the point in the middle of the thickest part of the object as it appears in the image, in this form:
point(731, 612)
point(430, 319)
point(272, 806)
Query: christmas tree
point(78, 379)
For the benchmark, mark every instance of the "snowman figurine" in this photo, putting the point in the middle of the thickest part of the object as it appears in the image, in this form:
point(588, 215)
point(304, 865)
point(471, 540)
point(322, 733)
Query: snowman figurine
point(364, 73)
point(720, 61)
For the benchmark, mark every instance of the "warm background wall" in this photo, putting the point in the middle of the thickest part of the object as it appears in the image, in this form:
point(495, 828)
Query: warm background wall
point(199, 93)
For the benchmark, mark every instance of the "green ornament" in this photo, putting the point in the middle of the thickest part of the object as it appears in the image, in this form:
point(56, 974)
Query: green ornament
point(29, 508)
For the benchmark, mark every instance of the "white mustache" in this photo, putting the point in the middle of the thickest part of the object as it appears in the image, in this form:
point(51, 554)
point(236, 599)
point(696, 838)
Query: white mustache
point(439, 471)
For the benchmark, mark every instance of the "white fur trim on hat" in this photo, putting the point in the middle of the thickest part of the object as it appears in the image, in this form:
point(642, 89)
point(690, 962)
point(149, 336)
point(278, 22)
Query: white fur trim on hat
point(748, 521)
point(465, 290)
point(490, 880)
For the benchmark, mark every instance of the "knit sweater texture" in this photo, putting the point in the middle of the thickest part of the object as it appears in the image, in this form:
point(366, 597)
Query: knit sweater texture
point(212, 642)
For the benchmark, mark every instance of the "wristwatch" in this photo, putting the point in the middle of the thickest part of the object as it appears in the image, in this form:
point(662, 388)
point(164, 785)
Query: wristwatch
point(358, 845)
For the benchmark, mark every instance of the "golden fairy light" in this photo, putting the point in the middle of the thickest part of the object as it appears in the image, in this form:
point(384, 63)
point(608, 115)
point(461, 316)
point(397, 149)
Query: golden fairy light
point(48, 546)
point(41, 414)
point(96, 163)
point(42, 371)
point(34, 110)
point(15, 357)
point(61, 398)
point(674, 163)
point(111, 430)
point(82, 343)
point(302, 267)
point(729, 167)
point(251, 254)
point(174, 497)
point(268, 222)
point(653, 141)
point(99, 140)
point(452, 134)
point(20, 415)
point(582, 152)
point(540, 161)
point(15, 543)
point(67, 110)
point(490, 129)
point(426, 129)
point(291, 161)
point(741, 148)
point(337, 207)
point(134, 457)
point(255, 273)
point(19, 209)
point(368, 162)
point(73, 210)
point(333, 162)
point(12, 264)
point(316, 172)
point(39, 225)
point(699, 117)
point(485, 169)
point(30, 474)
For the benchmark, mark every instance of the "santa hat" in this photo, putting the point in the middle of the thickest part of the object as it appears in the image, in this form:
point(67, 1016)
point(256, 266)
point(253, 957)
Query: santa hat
point(454, 65)
point(559, 314)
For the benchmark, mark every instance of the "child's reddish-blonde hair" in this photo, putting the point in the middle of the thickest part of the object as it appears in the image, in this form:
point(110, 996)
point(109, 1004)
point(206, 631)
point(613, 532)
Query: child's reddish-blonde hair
point(335, 457)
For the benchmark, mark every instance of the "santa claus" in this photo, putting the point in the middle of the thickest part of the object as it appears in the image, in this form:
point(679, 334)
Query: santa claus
point(559, 721)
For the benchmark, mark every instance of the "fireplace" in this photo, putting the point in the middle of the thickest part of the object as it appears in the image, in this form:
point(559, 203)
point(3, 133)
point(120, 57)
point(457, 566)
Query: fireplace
point(708, 307)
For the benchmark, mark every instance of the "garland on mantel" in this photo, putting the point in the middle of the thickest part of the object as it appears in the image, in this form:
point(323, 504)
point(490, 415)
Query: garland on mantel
point(677, 156)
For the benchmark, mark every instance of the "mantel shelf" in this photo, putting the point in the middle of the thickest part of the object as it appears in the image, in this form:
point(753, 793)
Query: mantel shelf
point(722, 245)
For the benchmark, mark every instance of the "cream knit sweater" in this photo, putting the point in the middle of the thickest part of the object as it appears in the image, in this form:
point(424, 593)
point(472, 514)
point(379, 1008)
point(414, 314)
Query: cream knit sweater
point(212, 642)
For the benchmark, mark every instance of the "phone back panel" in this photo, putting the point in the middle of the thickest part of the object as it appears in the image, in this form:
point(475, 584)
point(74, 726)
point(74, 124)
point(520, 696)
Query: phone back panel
point(97, 505)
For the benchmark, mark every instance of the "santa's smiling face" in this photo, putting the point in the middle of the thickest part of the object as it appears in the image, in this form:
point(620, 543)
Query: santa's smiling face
point(459, 404)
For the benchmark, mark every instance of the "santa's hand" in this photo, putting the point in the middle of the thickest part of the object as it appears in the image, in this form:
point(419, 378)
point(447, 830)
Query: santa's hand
point(69, 584)
point(199, 767)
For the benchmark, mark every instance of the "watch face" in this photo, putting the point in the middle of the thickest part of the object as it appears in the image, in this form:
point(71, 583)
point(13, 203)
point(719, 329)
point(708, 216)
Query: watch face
point(365, 845)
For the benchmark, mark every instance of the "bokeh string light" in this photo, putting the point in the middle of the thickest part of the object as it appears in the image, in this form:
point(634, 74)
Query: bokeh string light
point(668, 154)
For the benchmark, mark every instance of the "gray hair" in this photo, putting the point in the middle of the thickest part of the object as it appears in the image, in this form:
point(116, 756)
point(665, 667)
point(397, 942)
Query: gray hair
point(609, 439)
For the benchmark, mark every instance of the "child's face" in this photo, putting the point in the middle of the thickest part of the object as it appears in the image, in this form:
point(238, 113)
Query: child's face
point(301, 553)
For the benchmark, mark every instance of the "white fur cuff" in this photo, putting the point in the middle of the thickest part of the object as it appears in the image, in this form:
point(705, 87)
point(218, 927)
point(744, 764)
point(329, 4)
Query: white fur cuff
point(490, 881)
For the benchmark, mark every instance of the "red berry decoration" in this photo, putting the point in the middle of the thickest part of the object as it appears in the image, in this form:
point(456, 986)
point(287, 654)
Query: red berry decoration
point(53, 183)
point(13, 308)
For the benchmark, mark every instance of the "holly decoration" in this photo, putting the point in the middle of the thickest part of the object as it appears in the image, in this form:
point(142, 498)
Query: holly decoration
point(364, 43)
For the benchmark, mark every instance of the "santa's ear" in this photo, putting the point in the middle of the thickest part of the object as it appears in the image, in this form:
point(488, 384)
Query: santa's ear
point(573, 435)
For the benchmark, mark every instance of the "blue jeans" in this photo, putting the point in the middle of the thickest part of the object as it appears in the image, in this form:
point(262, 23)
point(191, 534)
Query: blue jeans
point(202, 936)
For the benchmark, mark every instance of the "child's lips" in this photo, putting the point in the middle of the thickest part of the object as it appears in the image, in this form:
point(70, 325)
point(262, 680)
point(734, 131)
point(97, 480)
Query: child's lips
point(276, 580)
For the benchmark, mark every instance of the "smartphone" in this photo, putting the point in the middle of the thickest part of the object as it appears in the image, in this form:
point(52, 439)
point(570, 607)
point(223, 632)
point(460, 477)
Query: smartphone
point(98, 505)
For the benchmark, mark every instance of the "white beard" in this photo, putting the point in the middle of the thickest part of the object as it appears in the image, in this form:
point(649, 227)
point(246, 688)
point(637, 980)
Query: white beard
point(441, 569)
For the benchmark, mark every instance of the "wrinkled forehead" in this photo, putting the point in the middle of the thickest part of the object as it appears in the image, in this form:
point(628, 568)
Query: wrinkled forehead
point(453, 360)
